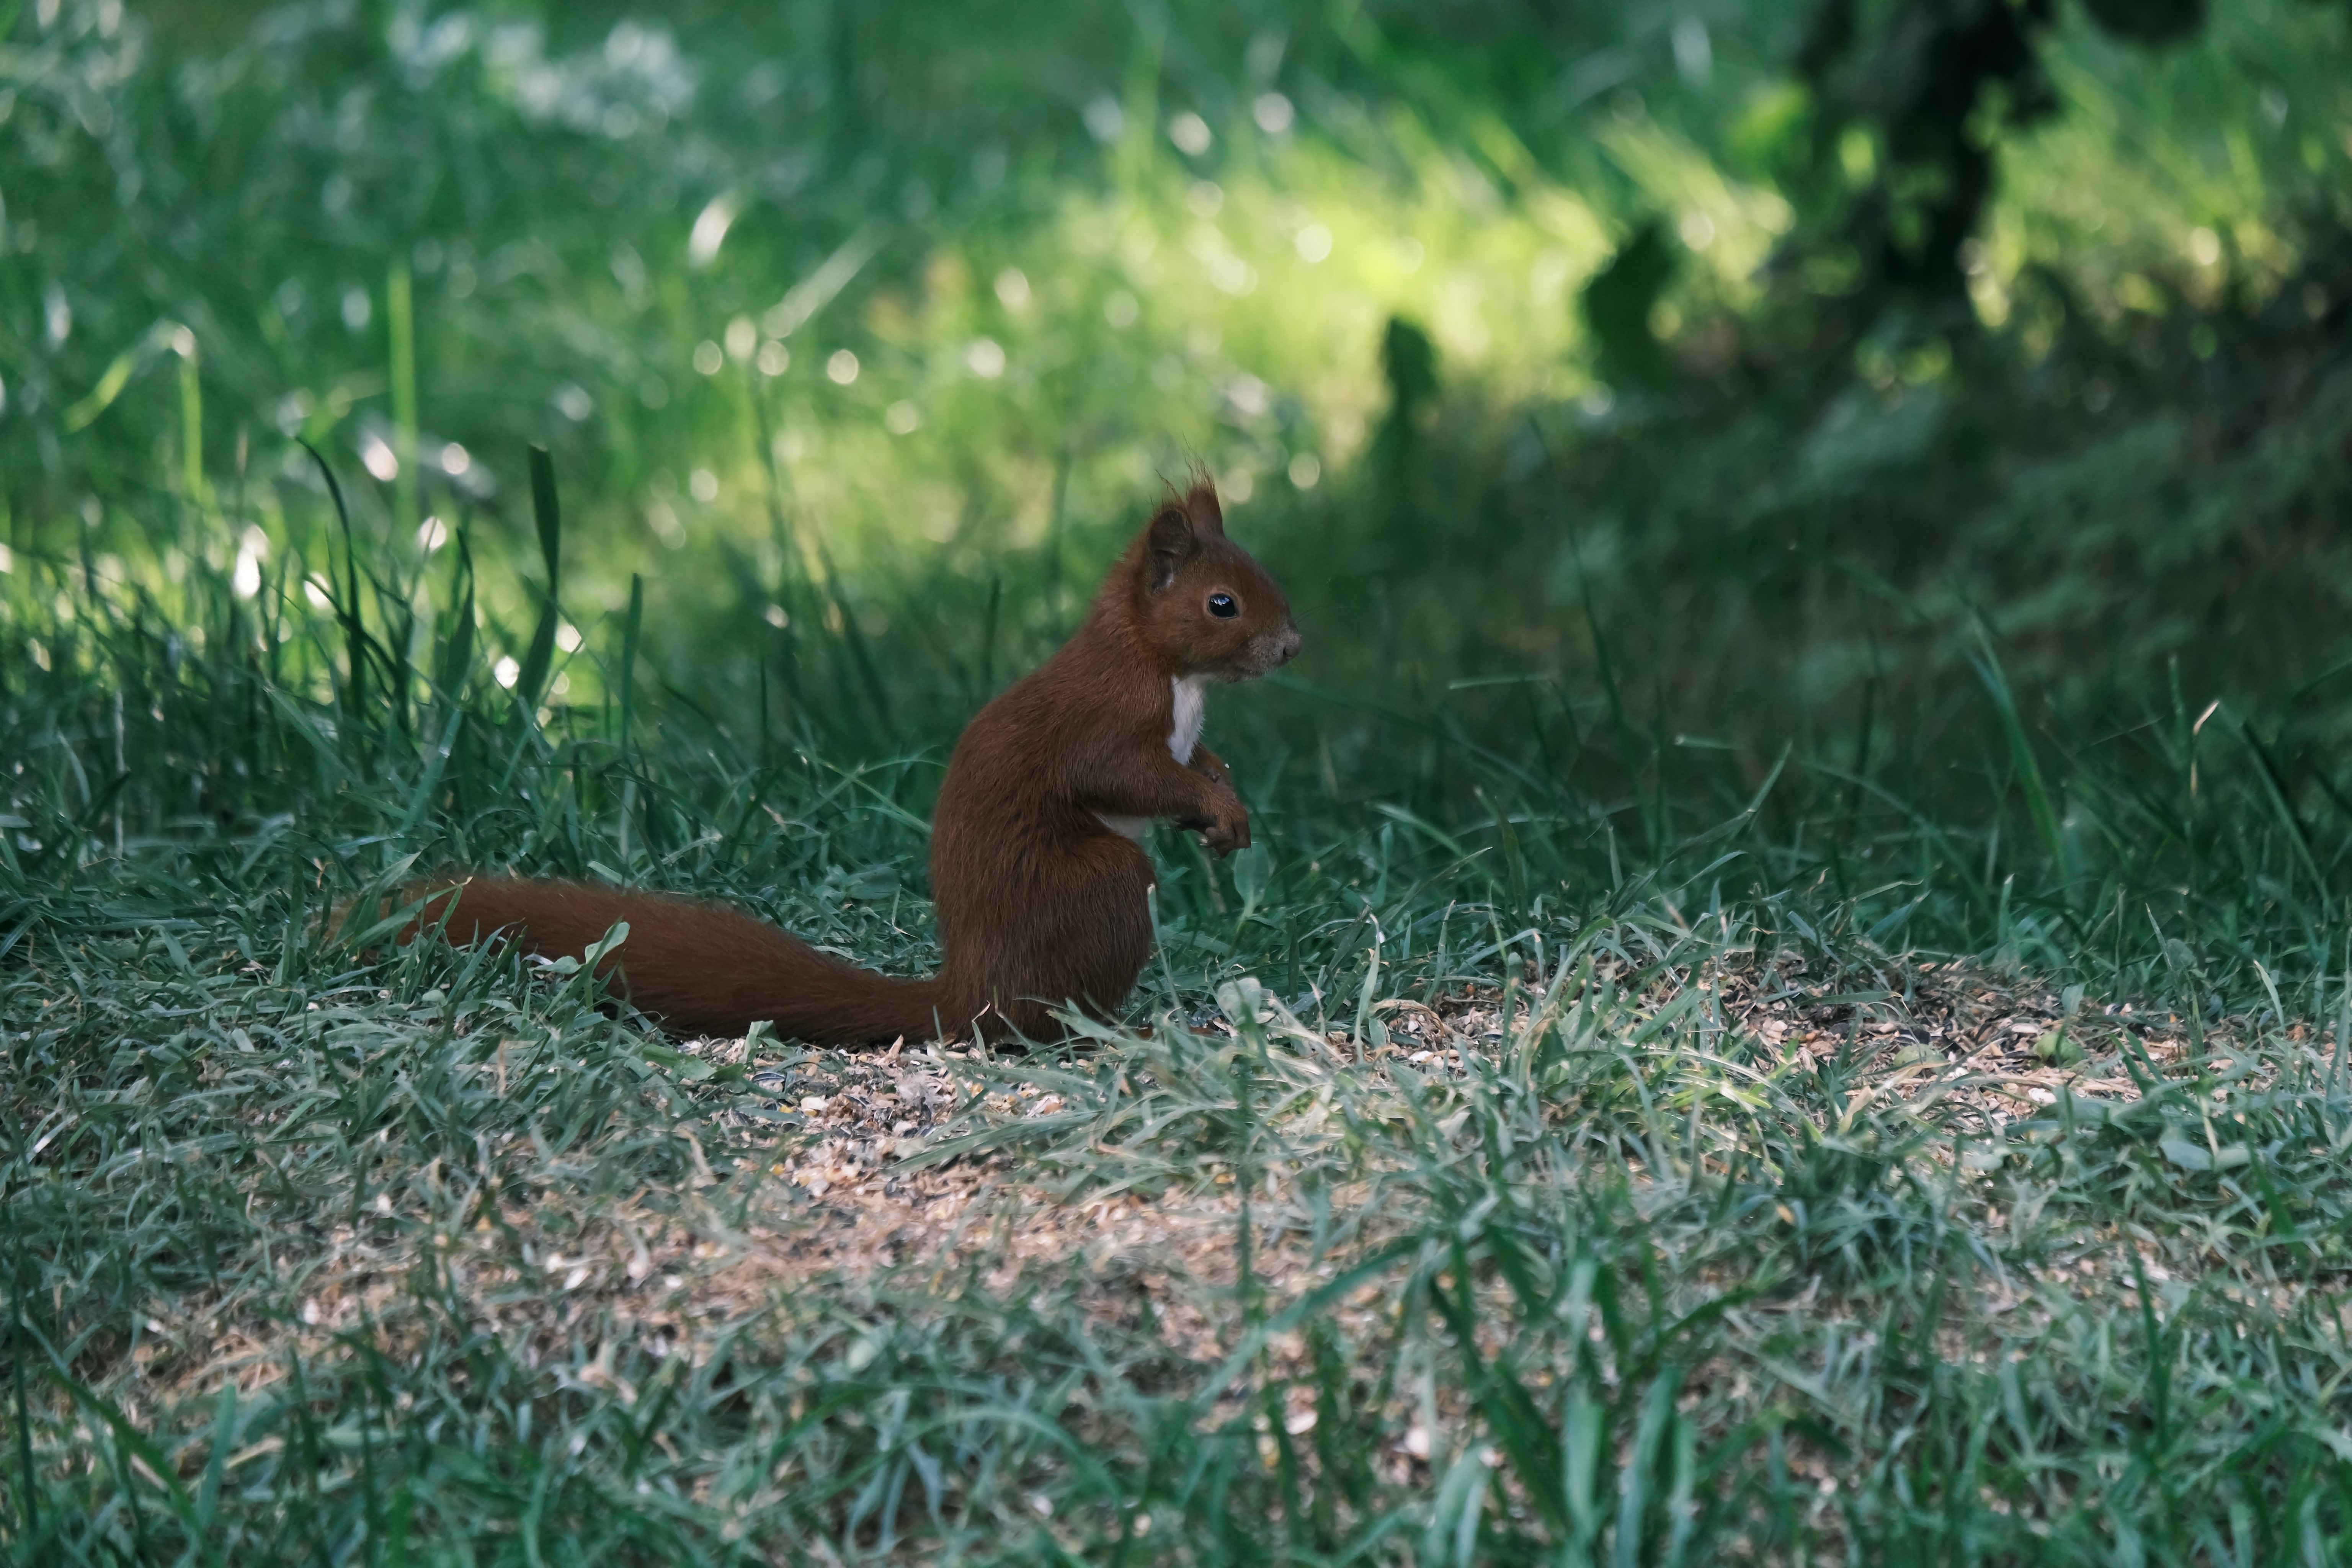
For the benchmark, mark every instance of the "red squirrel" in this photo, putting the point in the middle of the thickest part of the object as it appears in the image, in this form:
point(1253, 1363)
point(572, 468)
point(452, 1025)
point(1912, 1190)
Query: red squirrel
point(1038, 872)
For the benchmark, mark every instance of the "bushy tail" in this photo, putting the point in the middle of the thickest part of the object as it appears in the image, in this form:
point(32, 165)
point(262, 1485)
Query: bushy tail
point(701, 969)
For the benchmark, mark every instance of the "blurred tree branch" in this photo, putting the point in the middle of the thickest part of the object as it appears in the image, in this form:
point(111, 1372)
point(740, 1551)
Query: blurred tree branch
point(1912, 100)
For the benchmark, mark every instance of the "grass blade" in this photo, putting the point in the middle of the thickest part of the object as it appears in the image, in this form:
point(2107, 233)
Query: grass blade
point(530, 683)
point(2028, 769)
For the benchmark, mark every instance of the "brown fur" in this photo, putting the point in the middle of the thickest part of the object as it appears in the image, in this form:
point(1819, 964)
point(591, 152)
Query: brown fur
point(1040, 903)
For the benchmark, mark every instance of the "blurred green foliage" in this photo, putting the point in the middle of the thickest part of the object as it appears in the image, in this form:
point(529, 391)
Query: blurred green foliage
point(862, 319)
point(1560, 364)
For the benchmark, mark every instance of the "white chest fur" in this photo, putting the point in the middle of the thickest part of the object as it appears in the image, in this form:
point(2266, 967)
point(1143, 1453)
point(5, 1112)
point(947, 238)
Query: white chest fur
point(1183, 734)
point(1191, 708)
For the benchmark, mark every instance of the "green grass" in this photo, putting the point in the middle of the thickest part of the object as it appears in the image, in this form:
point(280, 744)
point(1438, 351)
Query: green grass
point(1651, 1285)
point(1791, 1000)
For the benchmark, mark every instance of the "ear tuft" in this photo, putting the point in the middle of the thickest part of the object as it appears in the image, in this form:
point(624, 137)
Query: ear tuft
point(1201, 505)
point(1171, 541)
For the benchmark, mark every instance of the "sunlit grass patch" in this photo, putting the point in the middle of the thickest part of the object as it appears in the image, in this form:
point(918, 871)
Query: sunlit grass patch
point(431, 1251)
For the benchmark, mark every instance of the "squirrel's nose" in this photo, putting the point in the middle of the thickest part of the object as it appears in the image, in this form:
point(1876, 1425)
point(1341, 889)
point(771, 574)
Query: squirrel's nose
point(1285, 646)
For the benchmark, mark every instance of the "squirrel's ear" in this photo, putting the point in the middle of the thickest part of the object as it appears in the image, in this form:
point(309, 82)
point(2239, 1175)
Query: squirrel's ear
point(1201, 505)
point(1171, 541)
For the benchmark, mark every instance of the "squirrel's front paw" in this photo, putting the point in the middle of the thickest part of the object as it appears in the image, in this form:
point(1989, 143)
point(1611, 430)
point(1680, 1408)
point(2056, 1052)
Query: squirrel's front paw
point(1228, 830)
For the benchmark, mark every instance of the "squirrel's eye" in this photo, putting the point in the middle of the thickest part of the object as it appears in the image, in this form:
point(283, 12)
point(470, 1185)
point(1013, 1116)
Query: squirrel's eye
point(1224, 607)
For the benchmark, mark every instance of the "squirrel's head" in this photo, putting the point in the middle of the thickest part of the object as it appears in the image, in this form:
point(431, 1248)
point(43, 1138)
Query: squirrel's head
point(1200, 602)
